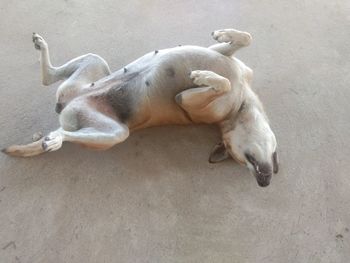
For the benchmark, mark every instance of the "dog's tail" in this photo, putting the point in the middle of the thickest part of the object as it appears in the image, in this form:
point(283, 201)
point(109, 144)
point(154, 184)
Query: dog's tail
point(27, 150)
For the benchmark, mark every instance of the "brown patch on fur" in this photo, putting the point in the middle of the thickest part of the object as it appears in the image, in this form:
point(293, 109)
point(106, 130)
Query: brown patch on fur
point(170, 72)
point(120, 99)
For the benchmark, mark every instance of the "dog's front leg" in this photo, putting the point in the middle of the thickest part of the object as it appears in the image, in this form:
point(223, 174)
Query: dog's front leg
point(210, 86)
point(208, 102)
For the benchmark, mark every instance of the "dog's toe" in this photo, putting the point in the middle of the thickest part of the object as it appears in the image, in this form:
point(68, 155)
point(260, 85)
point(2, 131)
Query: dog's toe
point(44, 146)
point(37, 136)
point(52, 142)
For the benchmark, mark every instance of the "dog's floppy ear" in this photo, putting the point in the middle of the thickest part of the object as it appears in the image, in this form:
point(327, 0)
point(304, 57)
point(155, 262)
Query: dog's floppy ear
point(219, 153)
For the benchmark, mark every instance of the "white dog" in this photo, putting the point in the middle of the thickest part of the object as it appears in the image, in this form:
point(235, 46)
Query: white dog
point(181, 85)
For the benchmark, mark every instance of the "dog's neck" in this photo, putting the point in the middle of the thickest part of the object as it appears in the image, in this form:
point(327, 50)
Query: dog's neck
point(247, 112)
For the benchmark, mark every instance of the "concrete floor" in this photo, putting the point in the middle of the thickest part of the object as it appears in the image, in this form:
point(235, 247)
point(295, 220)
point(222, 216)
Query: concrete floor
point(155, 198)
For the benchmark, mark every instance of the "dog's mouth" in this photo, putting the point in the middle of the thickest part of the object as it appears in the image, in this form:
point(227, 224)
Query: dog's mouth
point(261, 171)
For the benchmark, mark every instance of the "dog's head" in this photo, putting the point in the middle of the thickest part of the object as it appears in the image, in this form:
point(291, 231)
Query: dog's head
point(251, 142)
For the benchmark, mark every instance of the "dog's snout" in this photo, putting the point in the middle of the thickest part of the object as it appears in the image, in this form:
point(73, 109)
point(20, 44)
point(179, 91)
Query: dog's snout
point(263, 180)
point(59, 107)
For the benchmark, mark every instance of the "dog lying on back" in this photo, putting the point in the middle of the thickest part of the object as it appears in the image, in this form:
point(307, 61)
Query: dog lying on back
point(181, 85)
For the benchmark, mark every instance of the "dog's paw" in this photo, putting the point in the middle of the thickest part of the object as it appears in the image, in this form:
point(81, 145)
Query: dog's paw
point(52, 142)
point(232, 35)
point(39, 41)
point(203, 77)
point(37, 136)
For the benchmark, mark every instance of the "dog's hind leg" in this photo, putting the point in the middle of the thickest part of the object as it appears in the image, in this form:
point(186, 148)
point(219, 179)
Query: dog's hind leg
point(89, 137)
point(102, 134)
point(230, 40)
point(97, 66)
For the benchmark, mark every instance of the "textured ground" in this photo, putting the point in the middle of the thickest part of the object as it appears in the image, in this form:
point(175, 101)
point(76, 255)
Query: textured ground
point(155, 198)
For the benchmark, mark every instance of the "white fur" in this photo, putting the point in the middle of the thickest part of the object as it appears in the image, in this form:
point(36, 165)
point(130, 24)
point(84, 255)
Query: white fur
point(166, 94)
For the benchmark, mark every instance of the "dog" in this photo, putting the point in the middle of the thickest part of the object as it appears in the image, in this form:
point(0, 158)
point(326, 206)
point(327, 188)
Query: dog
point(180, 85)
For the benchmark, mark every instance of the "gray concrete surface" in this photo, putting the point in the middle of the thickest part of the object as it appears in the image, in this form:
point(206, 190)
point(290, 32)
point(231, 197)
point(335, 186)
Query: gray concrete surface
point(155, 198)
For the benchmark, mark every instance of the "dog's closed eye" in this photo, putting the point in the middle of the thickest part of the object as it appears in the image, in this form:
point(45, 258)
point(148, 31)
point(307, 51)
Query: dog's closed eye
point(251, 159)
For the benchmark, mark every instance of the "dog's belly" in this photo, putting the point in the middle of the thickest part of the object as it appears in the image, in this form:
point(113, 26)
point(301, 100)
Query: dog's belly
point(143, 93)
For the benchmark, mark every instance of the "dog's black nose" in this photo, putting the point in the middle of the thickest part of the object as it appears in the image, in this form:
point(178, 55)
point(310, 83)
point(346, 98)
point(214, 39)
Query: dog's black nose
point(59, 107)
point(263, 181)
